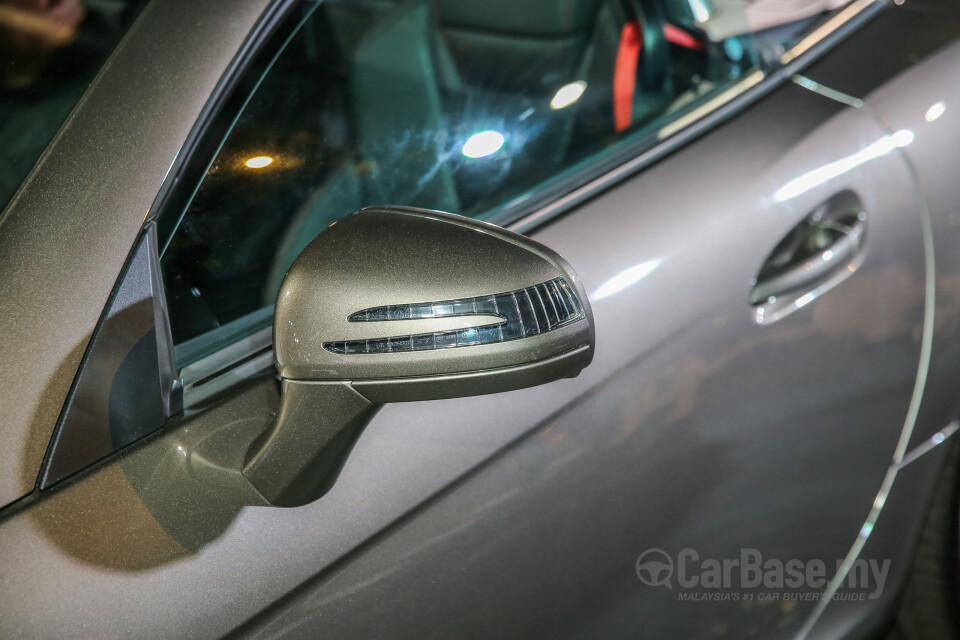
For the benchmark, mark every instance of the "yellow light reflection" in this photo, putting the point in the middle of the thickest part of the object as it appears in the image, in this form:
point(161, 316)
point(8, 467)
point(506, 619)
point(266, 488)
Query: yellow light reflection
point(259, 162)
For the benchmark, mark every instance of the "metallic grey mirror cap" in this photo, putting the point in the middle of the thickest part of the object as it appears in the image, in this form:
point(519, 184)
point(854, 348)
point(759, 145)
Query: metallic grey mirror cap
point(390, 294)
point(393, 305)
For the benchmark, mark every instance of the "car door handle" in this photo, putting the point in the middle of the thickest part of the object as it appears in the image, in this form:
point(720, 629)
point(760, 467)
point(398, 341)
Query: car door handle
point(823, 244)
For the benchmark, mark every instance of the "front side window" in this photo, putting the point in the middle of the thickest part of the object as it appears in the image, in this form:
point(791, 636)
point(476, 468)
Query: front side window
point(485, 108)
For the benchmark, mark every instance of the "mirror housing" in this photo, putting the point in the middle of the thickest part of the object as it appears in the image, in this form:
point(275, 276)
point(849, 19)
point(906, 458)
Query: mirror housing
point(397, 304)
point(402, 303)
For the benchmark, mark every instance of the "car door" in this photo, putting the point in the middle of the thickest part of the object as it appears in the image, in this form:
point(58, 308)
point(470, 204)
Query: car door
point(739, 397)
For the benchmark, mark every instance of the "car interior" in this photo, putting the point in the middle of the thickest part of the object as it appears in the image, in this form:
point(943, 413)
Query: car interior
point(372, 102)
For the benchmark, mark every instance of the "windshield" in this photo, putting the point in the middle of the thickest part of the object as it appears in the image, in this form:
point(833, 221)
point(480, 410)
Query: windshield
point(50, 51)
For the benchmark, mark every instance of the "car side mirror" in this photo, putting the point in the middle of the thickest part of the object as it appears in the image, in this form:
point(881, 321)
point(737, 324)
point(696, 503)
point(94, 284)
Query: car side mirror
point(397, 304)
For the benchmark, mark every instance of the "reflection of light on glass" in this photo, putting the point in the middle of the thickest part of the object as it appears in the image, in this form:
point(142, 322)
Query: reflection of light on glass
point(568, 94)
point(938, 438)
point(935, 111)
point(258, 162)
point(701, 9)
point(482, 144)
point(866, 530)
point(814, 178)
point(805, 299)
point(733, 48)
point(624, 279)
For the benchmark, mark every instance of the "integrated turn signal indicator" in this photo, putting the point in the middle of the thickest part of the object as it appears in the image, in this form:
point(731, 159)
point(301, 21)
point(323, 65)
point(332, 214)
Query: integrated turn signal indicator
point(523, 312)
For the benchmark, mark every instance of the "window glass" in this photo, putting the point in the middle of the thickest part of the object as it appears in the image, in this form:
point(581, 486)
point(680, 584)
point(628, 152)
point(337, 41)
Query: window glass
point(477, 107)
point(49, 53)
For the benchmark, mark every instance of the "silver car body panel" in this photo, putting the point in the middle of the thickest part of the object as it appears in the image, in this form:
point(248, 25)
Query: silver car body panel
point(522, 514)
point(66, 234)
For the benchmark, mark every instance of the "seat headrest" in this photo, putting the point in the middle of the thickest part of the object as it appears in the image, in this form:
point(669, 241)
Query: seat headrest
point(544, 18)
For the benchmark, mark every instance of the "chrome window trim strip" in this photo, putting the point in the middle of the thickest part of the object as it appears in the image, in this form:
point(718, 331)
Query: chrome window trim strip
point(733, 99)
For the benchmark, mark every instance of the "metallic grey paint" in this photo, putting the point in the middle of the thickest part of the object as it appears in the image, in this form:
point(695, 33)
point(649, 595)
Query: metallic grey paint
point(675, 445)
point(382, 260)
point(522, 514)
point(88, 196)
point(904, 103)
point(394, 256)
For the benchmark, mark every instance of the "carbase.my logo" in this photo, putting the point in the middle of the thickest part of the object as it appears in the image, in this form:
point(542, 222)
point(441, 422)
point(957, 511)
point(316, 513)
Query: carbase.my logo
point(655, 568)
point(750, 570)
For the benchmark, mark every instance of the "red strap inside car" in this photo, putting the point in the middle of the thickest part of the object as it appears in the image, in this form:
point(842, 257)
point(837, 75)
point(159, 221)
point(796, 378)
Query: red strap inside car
point(625, 74)
point(681, 38)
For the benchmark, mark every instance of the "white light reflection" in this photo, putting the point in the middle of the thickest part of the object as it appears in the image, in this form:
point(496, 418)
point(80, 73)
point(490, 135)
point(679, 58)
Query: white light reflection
point(935, 111)
point(482, 144)
point(805, 299)
point(702, 10)
point(814, 178)
point(568, 94)
point(624, 279)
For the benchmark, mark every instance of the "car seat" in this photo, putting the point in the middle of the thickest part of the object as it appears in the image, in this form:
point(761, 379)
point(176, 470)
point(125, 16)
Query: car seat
point(424, 76)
